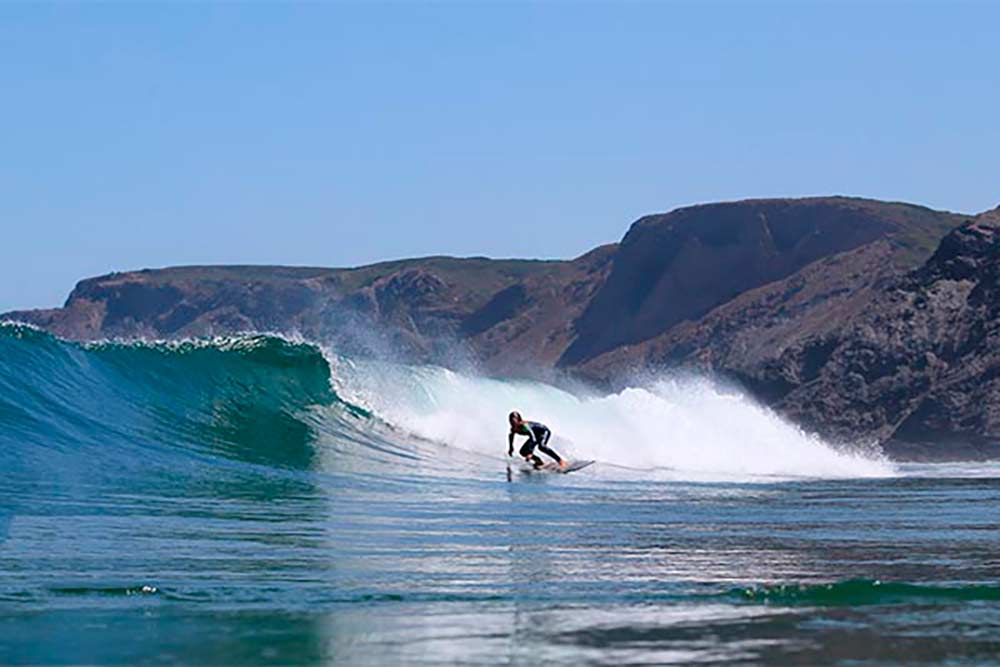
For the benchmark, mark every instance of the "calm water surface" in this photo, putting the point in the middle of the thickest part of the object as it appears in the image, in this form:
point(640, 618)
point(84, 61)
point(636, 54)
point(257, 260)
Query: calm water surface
point(576, 569)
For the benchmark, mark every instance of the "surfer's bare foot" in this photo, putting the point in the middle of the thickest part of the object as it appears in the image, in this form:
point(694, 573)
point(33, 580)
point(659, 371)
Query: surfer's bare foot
point(562, 464)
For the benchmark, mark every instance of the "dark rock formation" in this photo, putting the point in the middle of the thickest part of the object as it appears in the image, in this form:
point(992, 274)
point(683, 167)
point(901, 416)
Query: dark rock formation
point(920, 367)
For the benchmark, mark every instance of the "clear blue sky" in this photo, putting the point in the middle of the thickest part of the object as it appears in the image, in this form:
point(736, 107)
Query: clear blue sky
point(141, 135)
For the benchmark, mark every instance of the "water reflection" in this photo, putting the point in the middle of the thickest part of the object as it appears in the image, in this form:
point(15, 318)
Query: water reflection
point(449, 561)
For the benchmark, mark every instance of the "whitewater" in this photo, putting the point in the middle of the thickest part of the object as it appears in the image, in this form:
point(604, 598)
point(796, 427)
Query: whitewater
point(256, 499)
point(684, 427)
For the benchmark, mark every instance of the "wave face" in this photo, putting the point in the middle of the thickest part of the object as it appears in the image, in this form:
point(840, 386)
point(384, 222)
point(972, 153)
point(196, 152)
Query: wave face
point(109, 409)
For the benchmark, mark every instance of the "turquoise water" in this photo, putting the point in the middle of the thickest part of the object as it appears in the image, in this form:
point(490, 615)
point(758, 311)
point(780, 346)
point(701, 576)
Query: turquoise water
point(258, 501)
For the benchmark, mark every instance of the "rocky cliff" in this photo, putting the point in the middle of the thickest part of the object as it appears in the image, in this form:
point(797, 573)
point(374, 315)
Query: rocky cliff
point(920, 366)
point(845, 314)
point(853, 348)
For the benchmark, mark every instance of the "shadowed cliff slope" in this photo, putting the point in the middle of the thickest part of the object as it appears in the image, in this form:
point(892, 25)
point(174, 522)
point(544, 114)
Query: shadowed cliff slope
point(677, 267)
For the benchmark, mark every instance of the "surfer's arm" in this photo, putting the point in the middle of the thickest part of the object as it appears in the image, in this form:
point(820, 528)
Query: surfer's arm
point(510, 444)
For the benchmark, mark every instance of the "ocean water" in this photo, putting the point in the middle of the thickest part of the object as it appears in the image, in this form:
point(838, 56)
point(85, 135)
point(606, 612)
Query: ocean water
point(255, 501)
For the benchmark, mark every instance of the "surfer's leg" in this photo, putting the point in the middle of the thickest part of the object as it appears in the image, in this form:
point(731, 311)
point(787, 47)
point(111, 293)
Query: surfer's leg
point(528, 452)
point(544, 446)
point(551, 453)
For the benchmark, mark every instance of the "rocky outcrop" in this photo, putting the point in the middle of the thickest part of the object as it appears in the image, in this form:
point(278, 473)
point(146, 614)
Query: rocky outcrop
point(861, 320)
point(920, 367)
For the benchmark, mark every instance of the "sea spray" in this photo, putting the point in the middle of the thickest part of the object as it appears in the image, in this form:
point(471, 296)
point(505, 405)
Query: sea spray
point(686, 425)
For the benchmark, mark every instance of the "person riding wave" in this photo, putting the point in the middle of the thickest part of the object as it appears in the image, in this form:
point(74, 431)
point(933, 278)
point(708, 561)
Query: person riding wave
point(538, 436)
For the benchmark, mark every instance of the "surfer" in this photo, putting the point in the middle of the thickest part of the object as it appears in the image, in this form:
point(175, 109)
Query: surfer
point(538, 436)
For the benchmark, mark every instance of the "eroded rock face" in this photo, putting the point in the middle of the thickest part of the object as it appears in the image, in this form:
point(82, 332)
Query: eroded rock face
point(920, 368)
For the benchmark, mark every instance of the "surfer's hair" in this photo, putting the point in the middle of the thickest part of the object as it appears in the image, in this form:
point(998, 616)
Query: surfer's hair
point(515, 415)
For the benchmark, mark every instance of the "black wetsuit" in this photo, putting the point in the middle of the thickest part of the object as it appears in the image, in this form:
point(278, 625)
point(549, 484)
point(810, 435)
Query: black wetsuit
point(538, 436)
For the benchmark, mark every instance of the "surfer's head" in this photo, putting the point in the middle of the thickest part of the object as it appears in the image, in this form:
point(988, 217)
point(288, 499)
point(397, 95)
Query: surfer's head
point(514, 418)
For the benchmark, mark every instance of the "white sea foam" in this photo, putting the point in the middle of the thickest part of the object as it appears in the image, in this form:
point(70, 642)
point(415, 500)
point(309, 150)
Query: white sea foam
point(692, 427)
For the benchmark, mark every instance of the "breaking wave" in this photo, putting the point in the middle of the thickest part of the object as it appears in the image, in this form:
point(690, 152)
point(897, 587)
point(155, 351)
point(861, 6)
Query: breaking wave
point(266, 400)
